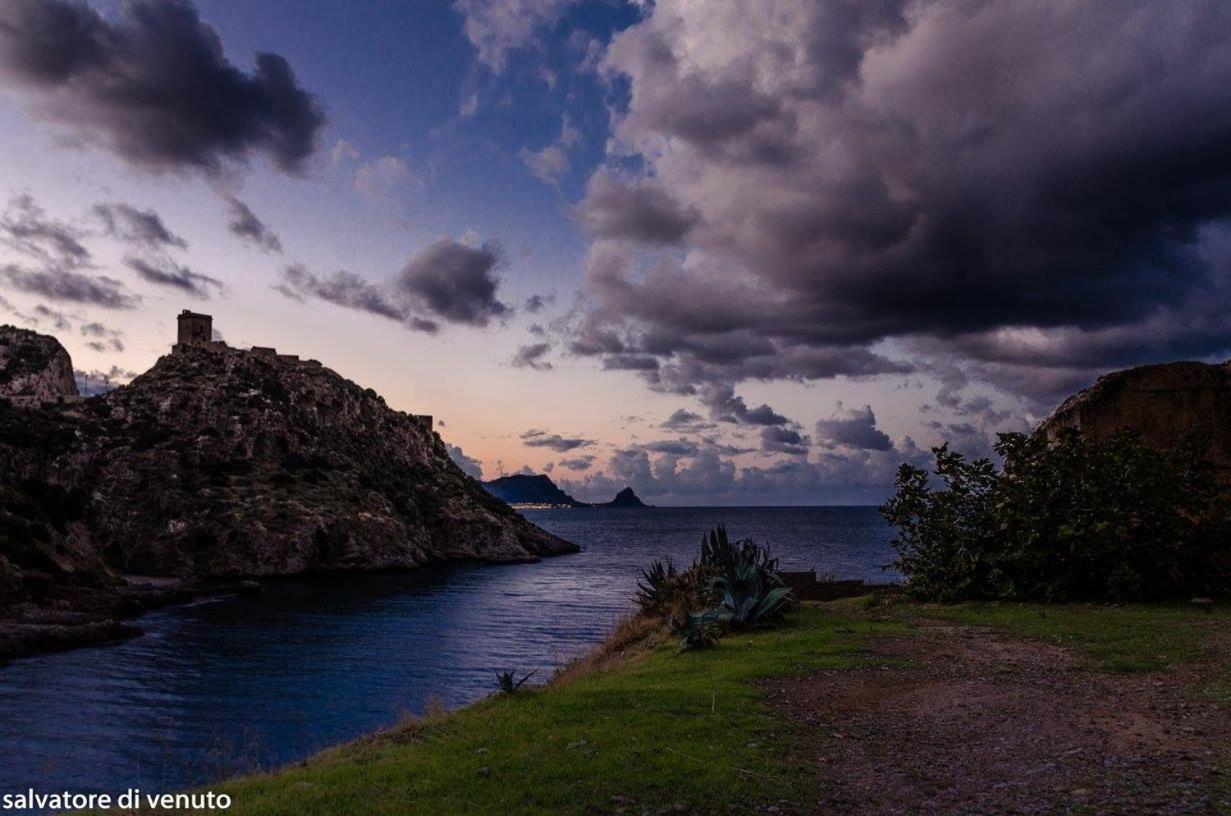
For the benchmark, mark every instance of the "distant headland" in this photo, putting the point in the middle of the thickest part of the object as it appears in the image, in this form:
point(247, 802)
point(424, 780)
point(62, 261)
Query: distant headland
point(537, 490)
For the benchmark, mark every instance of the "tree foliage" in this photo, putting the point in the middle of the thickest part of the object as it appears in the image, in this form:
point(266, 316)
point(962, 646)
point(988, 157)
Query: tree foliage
point(1068, 519)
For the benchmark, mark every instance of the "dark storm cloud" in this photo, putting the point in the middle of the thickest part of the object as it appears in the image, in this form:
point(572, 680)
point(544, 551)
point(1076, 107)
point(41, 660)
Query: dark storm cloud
point(855, 428)
point(248, 227)
point(725, 406)
point(966, 173)
point(541, 439)
point(162, 272)
point(144, 228)
point(26, 228)
point(454, 281)
point(640, 211)
point(531, 356)
point(776, 439)
point(154, 85)
point(350, 291)
point(71, 287)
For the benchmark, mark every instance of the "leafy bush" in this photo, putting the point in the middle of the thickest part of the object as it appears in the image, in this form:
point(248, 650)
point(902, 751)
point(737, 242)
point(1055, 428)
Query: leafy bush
point(1066, 520)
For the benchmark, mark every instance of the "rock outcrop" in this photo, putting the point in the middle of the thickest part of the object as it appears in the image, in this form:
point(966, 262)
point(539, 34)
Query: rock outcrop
point(625, 498)
point(1168, 404)
point(34, 365)
point(222, 463)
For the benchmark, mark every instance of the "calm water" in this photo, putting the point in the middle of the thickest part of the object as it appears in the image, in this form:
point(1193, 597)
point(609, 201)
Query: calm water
point(225, 686)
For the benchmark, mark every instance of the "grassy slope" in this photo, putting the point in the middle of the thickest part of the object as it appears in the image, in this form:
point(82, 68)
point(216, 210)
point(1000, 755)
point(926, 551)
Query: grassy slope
point(666, 728)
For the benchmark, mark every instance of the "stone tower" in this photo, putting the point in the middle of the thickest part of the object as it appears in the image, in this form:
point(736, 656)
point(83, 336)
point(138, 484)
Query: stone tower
point(195, 329)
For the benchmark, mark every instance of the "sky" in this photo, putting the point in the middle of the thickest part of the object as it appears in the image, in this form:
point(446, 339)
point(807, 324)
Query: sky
point(722, 252)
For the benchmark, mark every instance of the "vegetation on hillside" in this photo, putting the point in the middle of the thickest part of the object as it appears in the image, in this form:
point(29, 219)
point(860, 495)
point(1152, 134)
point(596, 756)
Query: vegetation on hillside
point(732, 586)
point(1073, 519)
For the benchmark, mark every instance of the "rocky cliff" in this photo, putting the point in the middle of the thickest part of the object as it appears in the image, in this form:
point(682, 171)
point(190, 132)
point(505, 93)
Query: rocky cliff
point(1168, 404)
point(221, 462)
point(34, 365)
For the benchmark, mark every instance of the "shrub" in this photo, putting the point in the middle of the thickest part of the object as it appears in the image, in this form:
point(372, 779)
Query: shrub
point(732, 585)
point(1073, 519)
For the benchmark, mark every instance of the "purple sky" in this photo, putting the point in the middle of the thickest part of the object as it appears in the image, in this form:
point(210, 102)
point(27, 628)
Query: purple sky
point(725, 252)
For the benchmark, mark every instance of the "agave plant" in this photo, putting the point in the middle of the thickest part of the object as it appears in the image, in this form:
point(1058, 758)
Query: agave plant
point(746, 585)
point(655, 587)
point(507, 682)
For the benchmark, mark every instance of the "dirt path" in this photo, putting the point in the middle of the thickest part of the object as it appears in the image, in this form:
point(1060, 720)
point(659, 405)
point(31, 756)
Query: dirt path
point(961, 721)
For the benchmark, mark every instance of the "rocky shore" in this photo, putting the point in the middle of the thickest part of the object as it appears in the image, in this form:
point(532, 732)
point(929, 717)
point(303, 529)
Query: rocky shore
point(216, 465)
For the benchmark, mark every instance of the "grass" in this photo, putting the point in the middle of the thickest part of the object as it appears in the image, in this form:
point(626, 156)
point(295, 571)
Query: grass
point(660, 730)
point(1122, 639)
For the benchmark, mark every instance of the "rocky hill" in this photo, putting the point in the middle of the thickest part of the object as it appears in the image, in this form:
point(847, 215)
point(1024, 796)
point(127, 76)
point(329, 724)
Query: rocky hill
point(1168, 404)
point(530, 489)
point(625, 498)
point(34, 365)
point(219, 462)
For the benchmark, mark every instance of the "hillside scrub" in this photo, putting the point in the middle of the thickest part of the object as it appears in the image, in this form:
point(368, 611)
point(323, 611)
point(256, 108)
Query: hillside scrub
point(1073, 519)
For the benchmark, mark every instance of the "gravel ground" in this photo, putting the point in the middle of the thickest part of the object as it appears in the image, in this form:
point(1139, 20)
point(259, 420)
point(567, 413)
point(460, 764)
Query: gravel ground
point(961, 721)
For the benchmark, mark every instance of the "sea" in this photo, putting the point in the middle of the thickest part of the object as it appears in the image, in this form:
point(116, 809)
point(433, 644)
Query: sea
point(236, 684)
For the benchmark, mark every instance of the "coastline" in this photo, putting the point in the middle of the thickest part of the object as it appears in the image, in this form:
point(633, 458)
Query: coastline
point(849, 706)
point(97, 616)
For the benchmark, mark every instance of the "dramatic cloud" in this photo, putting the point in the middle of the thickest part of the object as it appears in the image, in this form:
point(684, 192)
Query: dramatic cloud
point(470, 466)
point(783, 440)
point(143, 228)
point(854, 428)
point(454, 281)
point(72, 287)
point(248, 227)
point(531, 356)
point(542, 439)
point(495, 27)
point(640, 211)
point(162, 272)
point(348, 290)
point(154, 85)
point(1029, 191)
point(724, 406)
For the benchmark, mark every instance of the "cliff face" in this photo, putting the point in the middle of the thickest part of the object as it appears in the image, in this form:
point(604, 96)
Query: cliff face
point(34, 365)
point(220, 462)
point(1167, 404)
